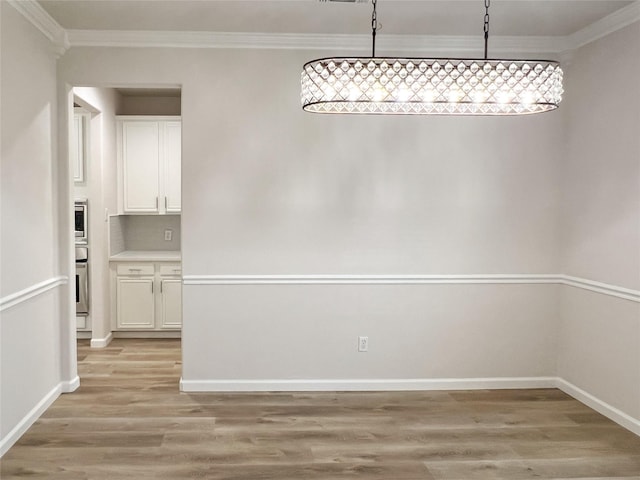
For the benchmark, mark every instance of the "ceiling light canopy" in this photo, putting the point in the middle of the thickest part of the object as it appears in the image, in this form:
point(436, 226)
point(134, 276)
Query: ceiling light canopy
point(455, 86)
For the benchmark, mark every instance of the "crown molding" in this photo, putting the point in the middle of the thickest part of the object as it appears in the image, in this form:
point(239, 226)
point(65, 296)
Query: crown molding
point(38, 16)
point(606, 25)
point(350, 44)
point(431, 45)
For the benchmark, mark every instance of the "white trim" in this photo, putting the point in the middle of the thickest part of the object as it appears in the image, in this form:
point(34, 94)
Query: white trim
point(29, 419)
point(431, 45)
point(351, 44)
point(603, 27)
point(347, 44)
point(31, 292)
point(39, 18)
point(549, 279)
point(70, 386)
point(356, 385)
point(368, 279)
point(101, 342)
point(604, 288)
point(147, 334)
point(609, 411)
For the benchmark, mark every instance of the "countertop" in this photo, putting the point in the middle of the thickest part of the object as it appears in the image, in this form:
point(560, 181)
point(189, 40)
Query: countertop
point(147, 256)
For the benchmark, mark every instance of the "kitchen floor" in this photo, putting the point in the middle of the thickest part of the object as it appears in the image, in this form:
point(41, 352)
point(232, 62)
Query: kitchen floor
point(128, 420)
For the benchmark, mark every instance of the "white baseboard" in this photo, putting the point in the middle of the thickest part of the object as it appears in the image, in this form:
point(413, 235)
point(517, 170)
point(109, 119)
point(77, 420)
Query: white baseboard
point(70, 386)
point(14, 435)
point(148, 334)
point(101, 342)
point(609, 411)
point(366, 384)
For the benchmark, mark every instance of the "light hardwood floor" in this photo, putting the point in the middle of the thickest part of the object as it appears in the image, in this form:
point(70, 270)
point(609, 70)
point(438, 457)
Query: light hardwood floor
point(128, 420)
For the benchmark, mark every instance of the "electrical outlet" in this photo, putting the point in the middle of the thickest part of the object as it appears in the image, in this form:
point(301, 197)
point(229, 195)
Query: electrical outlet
point(168, 234)
point(363, 344)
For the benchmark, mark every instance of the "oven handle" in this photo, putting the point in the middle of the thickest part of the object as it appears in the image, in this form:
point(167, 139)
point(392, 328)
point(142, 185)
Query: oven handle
point(86, 287)
point(82, 291)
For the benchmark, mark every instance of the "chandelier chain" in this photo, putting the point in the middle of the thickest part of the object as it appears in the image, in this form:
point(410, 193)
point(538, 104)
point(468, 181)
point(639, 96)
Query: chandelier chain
point(487, 4)
point(374, 27)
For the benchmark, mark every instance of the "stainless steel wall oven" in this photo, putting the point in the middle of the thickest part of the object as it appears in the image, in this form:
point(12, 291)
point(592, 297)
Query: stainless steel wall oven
point(82, 281)
point(81, 221)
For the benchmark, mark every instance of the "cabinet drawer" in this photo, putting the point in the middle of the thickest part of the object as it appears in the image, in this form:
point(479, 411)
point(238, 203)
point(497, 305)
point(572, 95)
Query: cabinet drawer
point(135, 269)
point(170, 269)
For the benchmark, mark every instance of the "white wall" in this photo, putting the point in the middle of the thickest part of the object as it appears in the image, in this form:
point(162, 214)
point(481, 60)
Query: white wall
point(268, 189)
point(600, 336)
point(419, 333)
point(30, 330)
point(100, 190)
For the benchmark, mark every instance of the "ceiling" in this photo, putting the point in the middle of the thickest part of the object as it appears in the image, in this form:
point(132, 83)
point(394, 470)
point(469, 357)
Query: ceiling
point(414, 17)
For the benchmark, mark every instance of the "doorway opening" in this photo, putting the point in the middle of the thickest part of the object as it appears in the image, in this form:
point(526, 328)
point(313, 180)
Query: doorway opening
point(125, 153)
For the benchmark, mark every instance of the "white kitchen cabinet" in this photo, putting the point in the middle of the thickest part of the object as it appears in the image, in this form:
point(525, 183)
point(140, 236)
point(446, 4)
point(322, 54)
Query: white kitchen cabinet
point(135, 302)
point(171, 303)
point(140, 166)
point(149, 159)
point(147, 296)
point(173, 166)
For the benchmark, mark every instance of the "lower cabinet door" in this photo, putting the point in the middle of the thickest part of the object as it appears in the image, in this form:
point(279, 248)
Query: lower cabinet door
point(135, 303)
point(171, 312)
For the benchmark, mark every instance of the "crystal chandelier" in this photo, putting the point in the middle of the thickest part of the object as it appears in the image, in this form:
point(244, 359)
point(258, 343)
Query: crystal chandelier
point(454, 86)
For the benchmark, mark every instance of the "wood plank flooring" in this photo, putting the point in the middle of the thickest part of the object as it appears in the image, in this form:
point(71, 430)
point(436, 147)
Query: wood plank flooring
point(128, 420)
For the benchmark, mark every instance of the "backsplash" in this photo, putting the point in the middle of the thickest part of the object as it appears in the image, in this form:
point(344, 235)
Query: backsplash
point(116, 235)
point(144, 232)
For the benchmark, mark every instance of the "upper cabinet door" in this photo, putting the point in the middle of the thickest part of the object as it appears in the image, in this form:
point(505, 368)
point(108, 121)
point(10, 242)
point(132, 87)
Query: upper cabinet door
point(150, 163)
point(141, 166)
point(172, 166)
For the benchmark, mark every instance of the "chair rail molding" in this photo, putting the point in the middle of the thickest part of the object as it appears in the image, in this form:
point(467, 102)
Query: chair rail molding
point(367, 279)
point(31, 292)
point(488, 279)
point(600, 287)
